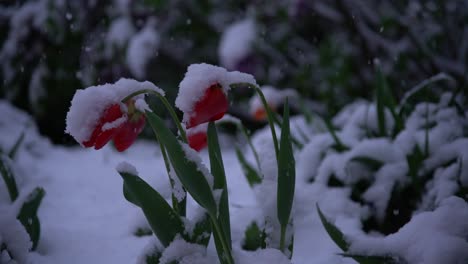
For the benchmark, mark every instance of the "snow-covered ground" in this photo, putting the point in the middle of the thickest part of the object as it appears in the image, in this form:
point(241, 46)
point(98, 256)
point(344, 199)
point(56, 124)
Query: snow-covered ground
point(85, 218)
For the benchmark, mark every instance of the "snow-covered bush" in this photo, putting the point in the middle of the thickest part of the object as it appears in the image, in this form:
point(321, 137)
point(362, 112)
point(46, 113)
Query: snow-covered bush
point(399, 163)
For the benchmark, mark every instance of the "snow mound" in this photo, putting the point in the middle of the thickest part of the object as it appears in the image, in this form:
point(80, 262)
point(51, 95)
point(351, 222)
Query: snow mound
point(429, 238)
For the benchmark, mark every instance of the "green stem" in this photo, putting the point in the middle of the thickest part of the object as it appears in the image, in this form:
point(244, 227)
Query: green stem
point(271, 121)
point(222, 238)
point(168, 107)
point(282, 238)
point(244, 131)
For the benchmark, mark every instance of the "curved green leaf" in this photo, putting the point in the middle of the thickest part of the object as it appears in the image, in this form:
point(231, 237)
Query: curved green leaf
point(250, 173)
point(187, 170)
point(8, 177)
point(336, 235)
point(164, 221)
point(286, 175)
point(28, 215)
point(217, 169)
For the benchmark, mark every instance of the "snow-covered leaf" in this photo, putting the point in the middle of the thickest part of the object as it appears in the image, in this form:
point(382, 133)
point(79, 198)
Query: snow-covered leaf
point(28, 215)
point(164, 221)
point(8, 176)
point(188, 171)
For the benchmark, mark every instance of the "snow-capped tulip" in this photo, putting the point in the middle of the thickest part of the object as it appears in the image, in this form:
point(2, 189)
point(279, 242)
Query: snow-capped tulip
point(118, 125)
point(198, 140)
point(211, 107)
point(203, 92)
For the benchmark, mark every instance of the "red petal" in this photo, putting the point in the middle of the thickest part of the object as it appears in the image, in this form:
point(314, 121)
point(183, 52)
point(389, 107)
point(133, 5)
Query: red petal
point(128, 133)
point(197, 141)
point(260, 114)
point(211, 107)
point(100, 138)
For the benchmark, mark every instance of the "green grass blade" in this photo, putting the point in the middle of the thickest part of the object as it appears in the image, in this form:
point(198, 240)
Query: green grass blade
point(8, 177)
point(249, 141)
point(202, 230)
point(28, 215)
point(372, 259)
point(14, 149)
point(250, 173)
point(164, 221)
point(380, 97)
point(286, 175)
point(339, 146)
point(335, 234)
point(217, 169)
point(254, 238)
point(271, 120)
point(187, 171)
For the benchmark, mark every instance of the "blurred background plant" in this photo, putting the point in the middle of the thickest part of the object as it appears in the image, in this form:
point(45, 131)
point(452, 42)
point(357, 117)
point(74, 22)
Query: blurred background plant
point(325, 50)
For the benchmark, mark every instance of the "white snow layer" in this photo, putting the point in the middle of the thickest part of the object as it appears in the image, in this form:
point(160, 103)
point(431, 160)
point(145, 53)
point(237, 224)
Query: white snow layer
point(142, 47)
point(200, 77)
point(429, 238)
point(125, 167)
point(88, 104)
point(14, 236)
point(236, 42)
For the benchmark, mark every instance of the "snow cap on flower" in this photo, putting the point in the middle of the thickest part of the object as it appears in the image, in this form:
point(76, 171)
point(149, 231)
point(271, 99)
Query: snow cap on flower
point(88, 106)
point(200, 91)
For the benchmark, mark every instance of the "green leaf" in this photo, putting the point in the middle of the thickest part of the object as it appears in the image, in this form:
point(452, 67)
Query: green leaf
point(381, 86)
point(336, 235)
point(371, 163)
point(250, 173)
point(271, 120)
point(254, 238)
point(129, 196)
point(415, 160)
point(202, 231)
point(8, 177)
point(143, 231)
point(372, 259)
point(286, 174)
point(28, 215)
point(386, 100)
point(16, 146)
point(187, 170)
point(164, 221)
point(153, 255)
point(339, 146)
point(217, 169)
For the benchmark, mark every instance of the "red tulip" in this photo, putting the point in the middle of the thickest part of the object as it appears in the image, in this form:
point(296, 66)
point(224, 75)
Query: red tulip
point(124, 132)
point(197, 140)
point(211, 107)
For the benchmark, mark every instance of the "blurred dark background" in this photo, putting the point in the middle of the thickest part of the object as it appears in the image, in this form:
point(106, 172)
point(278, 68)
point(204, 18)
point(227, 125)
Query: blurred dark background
point(326, 50)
